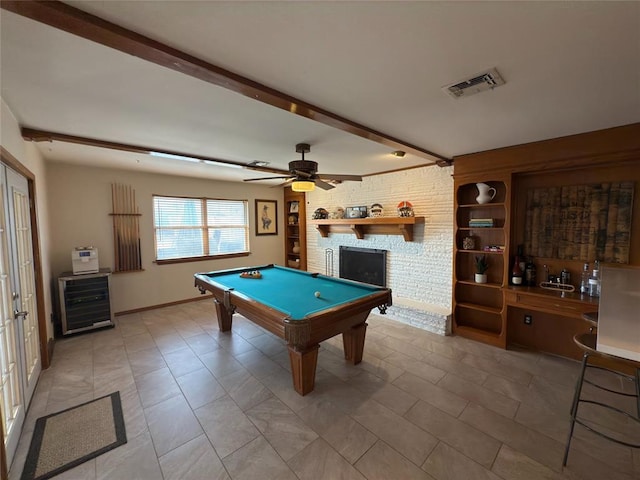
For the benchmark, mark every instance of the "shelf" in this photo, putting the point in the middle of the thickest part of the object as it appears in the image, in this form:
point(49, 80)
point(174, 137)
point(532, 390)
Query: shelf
point(480, 308)
point(481, 335)
point(373, 226)
point(480, 228)
point(476, 284)
point(481, 251)
point(481, 205)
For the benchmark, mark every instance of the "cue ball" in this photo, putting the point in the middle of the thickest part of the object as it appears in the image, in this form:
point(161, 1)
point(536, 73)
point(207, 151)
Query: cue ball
point(317, 294)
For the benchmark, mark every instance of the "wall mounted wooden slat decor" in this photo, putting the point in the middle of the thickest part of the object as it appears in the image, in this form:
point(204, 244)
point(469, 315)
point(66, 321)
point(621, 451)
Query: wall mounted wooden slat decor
point(580, 222)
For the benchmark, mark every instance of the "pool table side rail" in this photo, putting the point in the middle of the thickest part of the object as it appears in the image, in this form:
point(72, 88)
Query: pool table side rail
point(237, 270)
point(266, 317)
point(333, 321)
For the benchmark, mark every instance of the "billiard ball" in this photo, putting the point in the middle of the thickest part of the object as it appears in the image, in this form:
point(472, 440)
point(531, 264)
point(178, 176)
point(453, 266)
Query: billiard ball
point(317, 294)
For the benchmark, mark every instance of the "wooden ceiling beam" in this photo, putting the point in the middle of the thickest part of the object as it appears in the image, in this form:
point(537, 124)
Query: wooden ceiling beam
point(35, 135)
point(77, 22)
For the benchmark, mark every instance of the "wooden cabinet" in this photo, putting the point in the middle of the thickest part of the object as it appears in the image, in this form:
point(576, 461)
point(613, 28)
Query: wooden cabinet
point(478, 308)
point(555, 318)
point(533, 317)
point(295, 236)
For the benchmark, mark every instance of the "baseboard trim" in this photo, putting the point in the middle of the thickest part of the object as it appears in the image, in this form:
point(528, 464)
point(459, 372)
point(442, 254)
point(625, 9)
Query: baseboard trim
point(162, 305)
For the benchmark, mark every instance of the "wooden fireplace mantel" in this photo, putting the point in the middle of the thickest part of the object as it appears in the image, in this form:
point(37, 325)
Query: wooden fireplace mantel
point(374, 226)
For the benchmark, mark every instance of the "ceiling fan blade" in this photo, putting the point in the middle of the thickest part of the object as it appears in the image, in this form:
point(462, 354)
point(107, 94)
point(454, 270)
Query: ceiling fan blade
point(258, 168)
point(330, 176)
point(323, 185)
point(303, 174)
point(285, 183)
point(265, 178)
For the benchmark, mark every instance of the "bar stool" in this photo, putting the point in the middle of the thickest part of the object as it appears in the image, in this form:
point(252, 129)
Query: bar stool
point(587, 342)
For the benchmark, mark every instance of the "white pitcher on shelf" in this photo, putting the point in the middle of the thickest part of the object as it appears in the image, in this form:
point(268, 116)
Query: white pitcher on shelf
point(485, 193)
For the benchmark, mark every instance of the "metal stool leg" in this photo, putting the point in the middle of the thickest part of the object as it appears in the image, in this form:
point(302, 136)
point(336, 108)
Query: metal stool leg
point(574, 406)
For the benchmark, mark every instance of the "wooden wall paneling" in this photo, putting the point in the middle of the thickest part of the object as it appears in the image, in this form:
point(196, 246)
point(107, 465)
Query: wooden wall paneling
point(602, 156)
point(576, 151)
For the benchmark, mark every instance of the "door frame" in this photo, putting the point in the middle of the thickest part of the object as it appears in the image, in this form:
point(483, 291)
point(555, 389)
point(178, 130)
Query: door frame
point(46, 346)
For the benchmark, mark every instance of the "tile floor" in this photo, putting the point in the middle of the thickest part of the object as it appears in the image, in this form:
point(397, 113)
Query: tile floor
point(200, 404)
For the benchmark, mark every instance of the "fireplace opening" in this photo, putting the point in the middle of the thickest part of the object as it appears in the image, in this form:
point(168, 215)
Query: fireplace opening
point(368, 265)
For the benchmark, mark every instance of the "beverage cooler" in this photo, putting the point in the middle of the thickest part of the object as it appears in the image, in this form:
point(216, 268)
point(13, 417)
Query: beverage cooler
point(85, 301)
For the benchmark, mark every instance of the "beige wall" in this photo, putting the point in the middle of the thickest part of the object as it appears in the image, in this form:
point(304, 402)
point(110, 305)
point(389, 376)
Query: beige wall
point(30, 158)
point(81, 202)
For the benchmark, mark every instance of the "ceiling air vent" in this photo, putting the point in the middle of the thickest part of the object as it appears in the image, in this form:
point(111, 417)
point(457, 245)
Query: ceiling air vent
point(478, 83)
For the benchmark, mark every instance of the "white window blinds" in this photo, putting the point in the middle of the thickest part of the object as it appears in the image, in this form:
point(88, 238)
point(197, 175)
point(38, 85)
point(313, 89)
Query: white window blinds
point(199, 227)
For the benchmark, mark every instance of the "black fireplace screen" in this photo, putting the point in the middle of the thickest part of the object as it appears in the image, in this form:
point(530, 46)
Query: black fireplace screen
point(366, 265)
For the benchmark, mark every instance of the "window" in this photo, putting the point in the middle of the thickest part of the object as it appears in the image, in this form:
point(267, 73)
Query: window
point(192, 228)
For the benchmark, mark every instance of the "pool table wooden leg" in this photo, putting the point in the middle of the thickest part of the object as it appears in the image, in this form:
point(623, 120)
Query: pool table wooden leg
point(303, 367)
point(224, 316)
point(353, 342)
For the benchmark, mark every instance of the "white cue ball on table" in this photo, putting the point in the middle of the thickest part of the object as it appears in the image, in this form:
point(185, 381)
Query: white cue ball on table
point(317, 294)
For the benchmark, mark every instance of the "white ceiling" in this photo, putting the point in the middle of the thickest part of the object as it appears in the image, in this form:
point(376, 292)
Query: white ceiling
point(570, 67)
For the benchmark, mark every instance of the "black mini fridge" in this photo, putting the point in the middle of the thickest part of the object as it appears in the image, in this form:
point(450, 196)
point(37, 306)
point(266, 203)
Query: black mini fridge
point(85, 301)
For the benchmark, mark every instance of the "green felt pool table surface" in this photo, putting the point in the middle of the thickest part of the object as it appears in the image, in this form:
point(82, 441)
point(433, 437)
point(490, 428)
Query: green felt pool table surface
point(293, 291)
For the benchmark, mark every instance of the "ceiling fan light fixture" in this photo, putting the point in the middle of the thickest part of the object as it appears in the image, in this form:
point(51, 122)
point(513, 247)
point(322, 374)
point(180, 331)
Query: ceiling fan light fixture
point(303, 186)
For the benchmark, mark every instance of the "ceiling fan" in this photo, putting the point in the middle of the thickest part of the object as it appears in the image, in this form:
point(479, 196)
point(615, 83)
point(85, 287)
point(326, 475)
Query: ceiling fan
point(303, 174)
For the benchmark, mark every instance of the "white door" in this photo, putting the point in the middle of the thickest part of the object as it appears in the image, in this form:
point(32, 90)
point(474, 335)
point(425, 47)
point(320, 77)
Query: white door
point(19, 339)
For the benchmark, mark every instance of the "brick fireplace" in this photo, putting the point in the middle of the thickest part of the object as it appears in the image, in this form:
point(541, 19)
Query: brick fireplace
point(418, 272)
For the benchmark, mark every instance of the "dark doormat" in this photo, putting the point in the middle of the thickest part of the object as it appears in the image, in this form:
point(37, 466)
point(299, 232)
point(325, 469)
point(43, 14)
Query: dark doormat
point(66, 439)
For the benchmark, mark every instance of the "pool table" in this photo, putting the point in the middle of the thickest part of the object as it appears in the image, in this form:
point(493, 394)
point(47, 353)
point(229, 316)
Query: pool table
point(302, 308)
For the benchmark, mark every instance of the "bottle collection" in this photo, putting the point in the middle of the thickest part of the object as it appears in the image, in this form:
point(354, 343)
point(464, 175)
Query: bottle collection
point(524, 270)
point(523, 273)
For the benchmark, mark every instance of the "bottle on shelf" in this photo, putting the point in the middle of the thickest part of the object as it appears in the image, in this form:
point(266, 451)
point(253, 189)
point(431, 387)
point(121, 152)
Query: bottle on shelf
point(584, 279)
point(523, 259)
point(565, 277)
point(530, 273)
point(594, 280)
point(516, 271)
point(545, 274)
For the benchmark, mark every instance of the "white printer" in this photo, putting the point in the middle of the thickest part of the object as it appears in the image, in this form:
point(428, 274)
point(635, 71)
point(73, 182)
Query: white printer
point(84, 260)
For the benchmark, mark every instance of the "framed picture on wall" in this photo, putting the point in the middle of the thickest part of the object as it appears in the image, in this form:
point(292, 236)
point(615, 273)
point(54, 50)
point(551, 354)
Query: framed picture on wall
point(266, 217)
